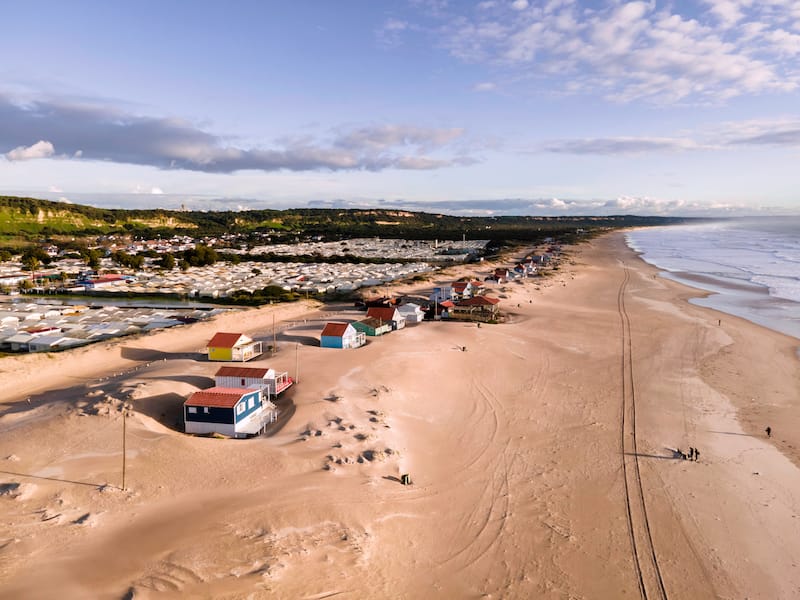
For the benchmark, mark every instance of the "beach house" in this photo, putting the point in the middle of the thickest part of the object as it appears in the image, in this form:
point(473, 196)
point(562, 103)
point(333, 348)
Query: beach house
point(235, 412)
point(461, 290)
point(388, 315)
point(372, 327)
point(341, 335)
point(479, 308)
point(233, 347)
point(263, 378)
point(412, 312)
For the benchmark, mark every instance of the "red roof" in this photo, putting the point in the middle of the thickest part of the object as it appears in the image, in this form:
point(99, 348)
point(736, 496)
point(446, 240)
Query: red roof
point(446, 304)
point(382, 313)
point(479, 301)
point(224, 340)
point(218, 397)
point(107, 278)
point(257, 372)
point(334, 329)
point(33, 330)
point(460, 286)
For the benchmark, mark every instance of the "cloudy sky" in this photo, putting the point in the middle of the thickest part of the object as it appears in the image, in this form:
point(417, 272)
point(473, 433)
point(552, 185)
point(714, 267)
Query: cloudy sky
point(494, 107)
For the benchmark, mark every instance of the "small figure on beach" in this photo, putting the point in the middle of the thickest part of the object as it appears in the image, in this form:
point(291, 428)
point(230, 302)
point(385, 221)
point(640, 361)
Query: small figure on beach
point(769, 431)
point(696, 455)
point(680, 453)
point(719, 321)
point(691, 453)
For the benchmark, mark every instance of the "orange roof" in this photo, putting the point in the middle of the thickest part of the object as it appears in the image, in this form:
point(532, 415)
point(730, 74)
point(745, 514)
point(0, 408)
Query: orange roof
point(382, 313)
point(224, 340)
point(479, 301)
point(218, 397)
point(334, 329)
point(257, 372)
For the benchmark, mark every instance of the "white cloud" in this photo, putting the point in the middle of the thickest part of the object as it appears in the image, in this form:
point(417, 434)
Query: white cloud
point(775, 132)
point(40, 149)
point(624, 51)
point(621, 145)
point(156, 191)
point(519, 4)
point(106, 133)
point(390, 33)
point(484, 86)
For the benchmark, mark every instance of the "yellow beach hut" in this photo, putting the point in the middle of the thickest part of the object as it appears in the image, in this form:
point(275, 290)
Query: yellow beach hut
point(233, 347)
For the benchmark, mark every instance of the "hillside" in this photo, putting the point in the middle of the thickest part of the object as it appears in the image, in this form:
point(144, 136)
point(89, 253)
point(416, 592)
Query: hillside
point(25, 220)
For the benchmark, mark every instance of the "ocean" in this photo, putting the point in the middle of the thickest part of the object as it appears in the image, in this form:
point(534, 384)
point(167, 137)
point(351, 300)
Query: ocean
point(750, 266)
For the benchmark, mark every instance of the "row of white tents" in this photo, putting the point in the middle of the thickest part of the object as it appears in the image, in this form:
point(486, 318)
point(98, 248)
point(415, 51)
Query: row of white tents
point(33, 327)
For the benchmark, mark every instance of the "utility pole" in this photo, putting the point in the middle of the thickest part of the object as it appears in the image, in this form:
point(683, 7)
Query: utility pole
point(297, 362)
point(124, 436)
point(274, 337)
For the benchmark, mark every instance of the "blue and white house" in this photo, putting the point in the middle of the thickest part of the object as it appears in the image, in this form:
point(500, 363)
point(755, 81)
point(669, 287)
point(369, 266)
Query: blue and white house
point(341, 335)
point(235, 412)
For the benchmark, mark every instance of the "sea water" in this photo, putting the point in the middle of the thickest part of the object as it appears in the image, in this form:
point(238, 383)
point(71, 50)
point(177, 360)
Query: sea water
point(751, 267)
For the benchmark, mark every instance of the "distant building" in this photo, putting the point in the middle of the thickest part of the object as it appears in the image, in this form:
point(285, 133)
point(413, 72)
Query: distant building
point(412, 312)
point(233, 347)
point(234, 412)
point(341, 335)
point(388, 315)
point(461, 290)
point(441, 293)
point(479, 308)
point(372, 326)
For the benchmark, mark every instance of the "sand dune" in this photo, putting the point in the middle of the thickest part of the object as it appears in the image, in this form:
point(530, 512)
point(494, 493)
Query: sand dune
point(516, 446)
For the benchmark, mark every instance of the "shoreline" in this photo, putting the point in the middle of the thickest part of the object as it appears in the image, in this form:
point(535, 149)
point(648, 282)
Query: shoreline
point(736, 297)
point(513, 447)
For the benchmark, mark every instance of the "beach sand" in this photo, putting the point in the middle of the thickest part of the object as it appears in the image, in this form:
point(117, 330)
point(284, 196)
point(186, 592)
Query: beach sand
point(526, 483)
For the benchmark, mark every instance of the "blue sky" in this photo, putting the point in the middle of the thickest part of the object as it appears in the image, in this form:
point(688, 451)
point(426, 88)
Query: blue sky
point(496, 107)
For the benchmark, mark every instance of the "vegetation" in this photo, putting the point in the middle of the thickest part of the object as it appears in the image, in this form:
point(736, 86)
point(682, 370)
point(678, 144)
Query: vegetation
point(25, 220)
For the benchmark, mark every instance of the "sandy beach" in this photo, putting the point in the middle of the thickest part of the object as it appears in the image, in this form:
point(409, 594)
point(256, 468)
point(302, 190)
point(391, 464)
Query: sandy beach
point(544, 457)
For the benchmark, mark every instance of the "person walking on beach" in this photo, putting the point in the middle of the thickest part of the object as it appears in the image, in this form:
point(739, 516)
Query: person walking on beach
point(696, 454)
point(691, 453)
point(769, 431)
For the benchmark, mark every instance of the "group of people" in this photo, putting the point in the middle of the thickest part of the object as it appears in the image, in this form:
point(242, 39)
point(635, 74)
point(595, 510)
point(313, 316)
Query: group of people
point(694, 454)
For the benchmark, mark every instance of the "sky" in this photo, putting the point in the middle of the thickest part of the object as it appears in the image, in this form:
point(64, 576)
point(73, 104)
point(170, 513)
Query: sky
point(498, 107)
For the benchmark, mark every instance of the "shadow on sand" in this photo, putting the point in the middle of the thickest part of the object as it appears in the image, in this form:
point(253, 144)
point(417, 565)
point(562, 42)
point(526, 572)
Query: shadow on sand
point(149, 355)
point(305, 340)
point(167, 409)
point(96, 485)
point(197, 381)
point(674, 454)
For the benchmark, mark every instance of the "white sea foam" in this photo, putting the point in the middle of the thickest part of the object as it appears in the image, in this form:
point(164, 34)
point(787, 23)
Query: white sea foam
point(752, 266)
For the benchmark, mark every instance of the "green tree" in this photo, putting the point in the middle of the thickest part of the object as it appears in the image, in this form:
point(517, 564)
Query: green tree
point(92, 258)
point(167, 261)
point(30, 263)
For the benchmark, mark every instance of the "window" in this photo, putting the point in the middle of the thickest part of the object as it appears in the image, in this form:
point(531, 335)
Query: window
point(192, 410)
point(242, 381)
point(240, 408)
point(205, 409)
point(251, 403)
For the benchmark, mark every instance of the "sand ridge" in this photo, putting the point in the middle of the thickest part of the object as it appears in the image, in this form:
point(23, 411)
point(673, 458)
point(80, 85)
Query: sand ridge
point(513, 446)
